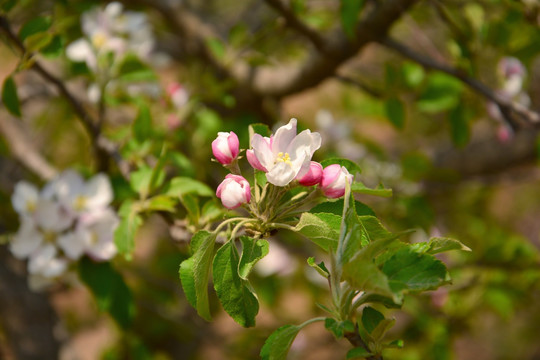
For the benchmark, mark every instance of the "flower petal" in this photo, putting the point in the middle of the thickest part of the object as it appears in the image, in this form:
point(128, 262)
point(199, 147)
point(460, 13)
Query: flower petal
point(24, 198)
point(262, 151)
point(283, 137)
point(281, 174)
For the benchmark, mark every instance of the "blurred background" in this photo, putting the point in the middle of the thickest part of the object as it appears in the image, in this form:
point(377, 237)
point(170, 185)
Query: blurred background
point(404, 88)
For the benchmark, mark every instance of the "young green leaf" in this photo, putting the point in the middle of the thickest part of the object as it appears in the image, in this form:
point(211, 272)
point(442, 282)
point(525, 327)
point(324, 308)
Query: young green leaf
point(34, 26)
point(349, 12)
point(371, 318)
point(358, 353)
point(279, 342)
point(180, 186)
point(409, 270)
point(161, 203)
point(359, 188)
point(109, 289)
point(338, 328)
point(253, 250)
point(142, 126)
point(124, 235)
point(234, 293)
point(336, 208)
point(439, 244)
point(10, 97)
point(261, 129)
point(38, 41)
point(321, 228)
point(459, 125)
point(320, 267)
point(195, 271)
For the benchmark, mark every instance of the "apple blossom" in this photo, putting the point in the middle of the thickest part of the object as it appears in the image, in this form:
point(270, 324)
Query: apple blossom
point(313, 176)
point(334, 181)
point(25, 198)
point(287, 155)
point(234, 191)
point(226, 147)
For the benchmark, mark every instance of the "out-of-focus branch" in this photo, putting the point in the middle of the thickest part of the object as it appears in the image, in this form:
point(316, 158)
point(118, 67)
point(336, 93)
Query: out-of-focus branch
point(507, 107)
point(103, 148)
point(360, 85)
point(23, 148)
point(297, 25)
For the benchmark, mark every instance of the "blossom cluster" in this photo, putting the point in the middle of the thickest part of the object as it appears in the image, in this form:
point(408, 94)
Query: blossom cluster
point(512, 74)
point(285, 157)
point(110, 31)
point(68, 218)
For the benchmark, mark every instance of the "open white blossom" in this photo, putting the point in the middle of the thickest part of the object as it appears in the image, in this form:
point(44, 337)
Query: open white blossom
point(287, 155)
point(70, 217)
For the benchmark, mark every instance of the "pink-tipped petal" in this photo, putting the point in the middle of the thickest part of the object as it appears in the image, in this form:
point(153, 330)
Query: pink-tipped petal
point(253, 161)
point(330, 174)
point(234, 144)
point(313, 176)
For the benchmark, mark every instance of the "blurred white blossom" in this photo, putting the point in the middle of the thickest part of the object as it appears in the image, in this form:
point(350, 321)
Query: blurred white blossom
point(68, 218)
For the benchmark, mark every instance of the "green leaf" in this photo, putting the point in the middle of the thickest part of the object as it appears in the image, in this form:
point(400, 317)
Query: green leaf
point(351, 166)
point(142, 126)
point(359, 188)
point(38, 41)
point(278, 343)
point(371, 318)
point(349, 12)
point(409, 270)
point(54, 48)
point(10, 97)
point(459, 125)
point(217, 48)
point(124, 235)
point(7, 5)
point(109, 289)
point(253, 250)
point(180, 186)
point(195, 271)
point(336, 208)
point(439, 244)
point(261, 129)
point(140, 181)
point(397, 344)
point(161, 203)
point(358, 353)
point(382, 328)
point(132, 69)
point(320, 267)
point(395, 111)
point(34, 26)
point(441, 93)
point(234, 293)
point(321, 228)
point(413, 74)
point(338, 328)
point(191, 204)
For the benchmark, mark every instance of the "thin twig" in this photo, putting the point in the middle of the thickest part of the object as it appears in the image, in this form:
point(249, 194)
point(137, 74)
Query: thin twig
point(506, 106)
point(360, 85)
point(297, 25)
point(104, 149)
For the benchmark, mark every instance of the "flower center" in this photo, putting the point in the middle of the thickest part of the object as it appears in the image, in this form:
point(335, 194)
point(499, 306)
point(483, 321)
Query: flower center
point(80, 203)
point(30, 206)
point(284, 157)
point(93, 238)
point(49, 237)
point(98, 40)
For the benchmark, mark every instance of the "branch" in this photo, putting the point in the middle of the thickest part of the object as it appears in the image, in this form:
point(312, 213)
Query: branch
point(507, 107)
point(296, 24)
point(103, 148)
point(23, 148)
point(360, 85)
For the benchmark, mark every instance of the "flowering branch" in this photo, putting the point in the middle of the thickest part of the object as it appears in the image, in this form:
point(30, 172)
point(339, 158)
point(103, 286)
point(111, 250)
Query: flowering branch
point(507, 107)
point(103, 148)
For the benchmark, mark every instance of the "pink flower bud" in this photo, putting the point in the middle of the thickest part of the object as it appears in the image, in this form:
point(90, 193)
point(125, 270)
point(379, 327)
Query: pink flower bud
point(226, 147)
point(234, 191)
point(253, 161)
point(334, 179)
point(313, 176)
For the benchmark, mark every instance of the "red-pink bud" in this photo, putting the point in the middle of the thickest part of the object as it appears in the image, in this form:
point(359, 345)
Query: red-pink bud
point(226, 147)
point(234, 191)
point(334, 180)
point(313, 176)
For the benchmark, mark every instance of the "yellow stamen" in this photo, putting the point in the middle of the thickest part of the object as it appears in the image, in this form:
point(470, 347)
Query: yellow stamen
point(284, 157)
point(80, 203)
point(93, 238)
point(98, 40)
point(30, 206)
point(49, 237)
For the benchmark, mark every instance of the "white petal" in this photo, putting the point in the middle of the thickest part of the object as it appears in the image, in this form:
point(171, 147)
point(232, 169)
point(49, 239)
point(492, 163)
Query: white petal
point(72, 245)
point(262, 151)
point(232, 194)
point(26, 241)
point(94, 93)
point(103, 251)
point(98, 192)
point(52, 216)
point(40, 259)
point(79, 50)
point(283, 137)
point(281, 174)
point(24, 198)
point(114, 9)
point(55, 267)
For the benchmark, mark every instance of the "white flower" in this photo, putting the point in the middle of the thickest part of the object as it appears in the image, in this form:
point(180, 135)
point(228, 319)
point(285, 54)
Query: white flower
point(26, 240)
point(287, 155)
point(44, 261)
point(25, 198)
point(96, 236)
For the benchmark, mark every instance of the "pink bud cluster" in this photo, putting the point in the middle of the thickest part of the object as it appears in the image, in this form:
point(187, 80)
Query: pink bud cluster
point(284, 157)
